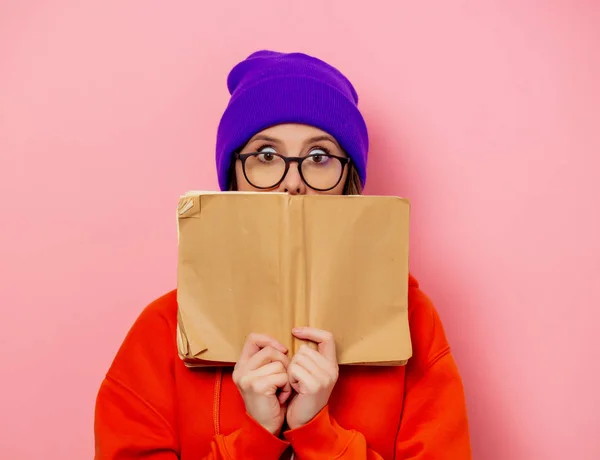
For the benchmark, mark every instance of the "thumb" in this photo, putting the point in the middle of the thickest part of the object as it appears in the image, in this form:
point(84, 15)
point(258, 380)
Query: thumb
point(285, 393)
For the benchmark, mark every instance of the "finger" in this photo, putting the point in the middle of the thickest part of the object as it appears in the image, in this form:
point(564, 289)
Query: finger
point(322, 338)
point(321, 375)
point(275, 367)
point(265, 356)
point(269, 384)
point(317, 357)
point(286, 392)
point(301, 378)
point(255, 342)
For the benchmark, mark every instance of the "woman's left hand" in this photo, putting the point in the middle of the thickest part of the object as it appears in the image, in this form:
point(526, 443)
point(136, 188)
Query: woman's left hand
point(312, 374)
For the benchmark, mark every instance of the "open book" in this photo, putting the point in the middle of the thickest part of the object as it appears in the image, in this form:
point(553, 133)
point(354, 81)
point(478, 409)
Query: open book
point(268, 262)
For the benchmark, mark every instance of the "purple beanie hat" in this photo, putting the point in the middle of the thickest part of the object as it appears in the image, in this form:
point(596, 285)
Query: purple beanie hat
point(269, 88)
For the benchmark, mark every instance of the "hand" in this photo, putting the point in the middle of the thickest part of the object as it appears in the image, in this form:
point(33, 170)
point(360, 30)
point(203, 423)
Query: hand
point(313, 375)
point(259, 374)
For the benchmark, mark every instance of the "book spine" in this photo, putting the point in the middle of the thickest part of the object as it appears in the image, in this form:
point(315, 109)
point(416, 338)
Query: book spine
point(286, 275)
point(294, 257)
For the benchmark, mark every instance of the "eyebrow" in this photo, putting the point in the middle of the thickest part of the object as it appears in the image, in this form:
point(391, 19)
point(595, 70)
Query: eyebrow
point(262, 137)
point(321, 138)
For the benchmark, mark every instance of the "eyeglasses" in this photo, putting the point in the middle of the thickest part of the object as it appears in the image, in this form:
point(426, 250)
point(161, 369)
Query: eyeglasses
point(266, 170)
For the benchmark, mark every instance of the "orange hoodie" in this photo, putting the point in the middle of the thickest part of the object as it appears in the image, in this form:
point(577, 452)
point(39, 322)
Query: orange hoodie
point(151, 406)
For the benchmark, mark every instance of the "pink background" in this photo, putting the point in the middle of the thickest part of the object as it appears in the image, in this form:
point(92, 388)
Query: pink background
point(486, 114)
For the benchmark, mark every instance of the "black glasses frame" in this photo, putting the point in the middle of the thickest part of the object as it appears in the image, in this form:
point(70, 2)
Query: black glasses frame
point(288, 160)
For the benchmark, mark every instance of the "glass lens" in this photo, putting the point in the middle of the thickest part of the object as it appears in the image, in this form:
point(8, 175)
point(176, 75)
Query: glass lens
point(264, 169)
point(321, 171)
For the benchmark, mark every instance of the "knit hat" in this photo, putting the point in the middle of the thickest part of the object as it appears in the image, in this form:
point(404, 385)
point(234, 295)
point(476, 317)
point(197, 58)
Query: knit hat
point(269, 88)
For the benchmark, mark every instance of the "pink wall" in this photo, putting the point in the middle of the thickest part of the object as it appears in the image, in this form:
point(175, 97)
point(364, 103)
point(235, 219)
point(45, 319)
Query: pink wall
point(484, 113)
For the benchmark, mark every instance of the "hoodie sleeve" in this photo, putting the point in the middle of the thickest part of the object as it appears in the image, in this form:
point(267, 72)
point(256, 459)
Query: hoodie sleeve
point(135, 414)
point(323, 438)
point(434, 420)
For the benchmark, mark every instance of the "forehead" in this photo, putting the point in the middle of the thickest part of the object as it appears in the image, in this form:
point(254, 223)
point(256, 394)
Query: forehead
point(293, 133)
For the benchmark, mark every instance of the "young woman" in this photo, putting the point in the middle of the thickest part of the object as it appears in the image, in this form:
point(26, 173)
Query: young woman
point(292, 125)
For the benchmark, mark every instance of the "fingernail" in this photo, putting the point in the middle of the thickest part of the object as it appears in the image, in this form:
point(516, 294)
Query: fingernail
point(297, 329)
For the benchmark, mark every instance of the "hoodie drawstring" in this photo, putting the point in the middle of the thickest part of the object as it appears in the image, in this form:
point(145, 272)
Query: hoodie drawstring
point(217, 401)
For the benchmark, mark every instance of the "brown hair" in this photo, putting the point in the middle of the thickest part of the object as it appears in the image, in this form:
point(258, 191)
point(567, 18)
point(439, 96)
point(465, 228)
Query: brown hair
point(352, 187)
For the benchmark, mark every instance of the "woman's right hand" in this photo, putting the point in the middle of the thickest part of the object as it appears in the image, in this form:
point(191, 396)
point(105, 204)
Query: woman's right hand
point(259, 374)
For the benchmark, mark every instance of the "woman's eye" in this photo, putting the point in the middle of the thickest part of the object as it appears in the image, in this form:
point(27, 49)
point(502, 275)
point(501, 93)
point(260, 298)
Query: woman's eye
point(266, 154)
point(266, 157)
point(318, 156)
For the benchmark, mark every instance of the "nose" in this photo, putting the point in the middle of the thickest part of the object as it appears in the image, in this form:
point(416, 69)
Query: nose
point(292, 182)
